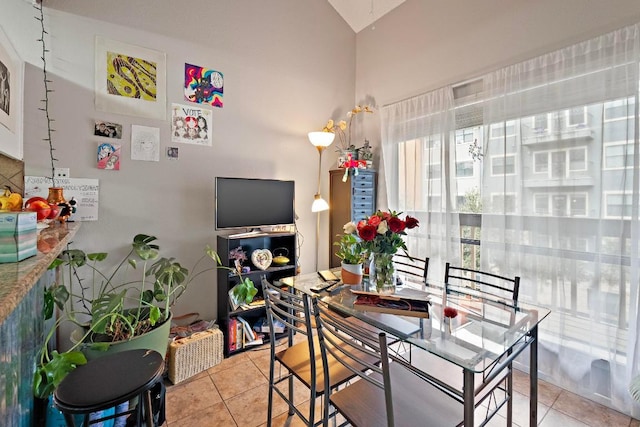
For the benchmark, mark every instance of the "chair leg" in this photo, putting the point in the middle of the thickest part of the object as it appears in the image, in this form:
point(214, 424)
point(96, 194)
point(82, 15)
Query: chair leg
point(510, 395)
point(291, 403)
point(70, 421)
point(148, 408)
point(270, 397)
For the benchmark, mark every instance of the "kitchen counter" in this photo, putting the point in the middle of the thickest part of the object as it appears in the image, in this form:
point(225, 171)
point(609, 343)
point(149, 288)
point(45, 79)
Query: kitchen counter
point(17, 278)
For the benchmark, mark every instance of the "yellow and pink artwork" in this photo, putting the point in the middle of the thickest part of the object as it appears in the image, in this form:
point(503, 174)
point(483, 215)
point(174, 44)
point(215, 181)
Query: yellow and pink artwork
point(131, 77)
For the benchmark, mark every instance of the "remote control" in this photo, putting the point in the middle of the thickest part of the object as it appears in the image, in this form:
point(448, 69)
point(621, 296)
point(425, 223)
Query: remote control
point(320, 287)
point(334, 288)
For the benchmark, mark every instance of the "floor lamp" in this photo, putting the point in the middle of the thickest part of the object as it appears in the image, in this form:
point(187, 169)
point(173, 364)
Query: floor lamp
point(320, 140)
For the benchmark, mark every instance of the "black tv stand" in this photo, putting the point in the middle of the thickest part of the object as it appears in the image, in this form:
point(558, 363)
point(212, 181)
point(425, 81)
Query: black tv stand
point(227, 280)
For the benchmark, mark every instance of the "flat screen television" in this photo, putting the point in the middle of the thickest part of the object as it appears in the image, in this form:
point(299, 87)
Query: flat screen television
point(253, 203)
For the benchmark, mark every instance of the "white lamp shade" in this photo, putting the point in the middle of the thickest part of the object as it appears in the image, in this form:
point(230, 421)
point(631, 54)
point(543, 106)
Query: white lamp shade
point(319, 204)
point(321, 139)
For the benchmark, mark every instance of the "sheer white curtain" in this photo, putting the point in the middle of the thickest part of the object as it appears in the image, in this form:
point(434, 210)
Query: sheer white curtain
point(418, 150)
point(560, 206)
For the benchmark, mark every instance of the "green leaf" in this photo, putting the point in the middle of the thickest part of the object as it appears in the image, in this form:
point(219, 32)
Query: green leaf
point(213, 255)
point(74, 257)
point(143, 248)
point(47, 307)
point(48, 376)
point(55, 263)
point(244, 291)
point(154, 315)
point(99, 346)
point(98, 256)
point(104, 310)
point(147, 296)
point(60, 295)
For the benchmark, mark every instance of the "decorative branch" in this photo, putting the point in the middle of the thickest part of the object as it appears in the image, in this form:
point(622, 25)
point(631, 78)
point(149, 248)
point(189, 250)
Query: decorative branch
point(47, 91)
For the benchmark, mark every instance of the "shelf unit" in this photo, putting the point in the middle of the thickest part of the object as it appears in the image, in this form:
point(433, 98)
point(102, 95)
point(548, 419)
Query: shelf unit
point(353, 200)
point(227, 279)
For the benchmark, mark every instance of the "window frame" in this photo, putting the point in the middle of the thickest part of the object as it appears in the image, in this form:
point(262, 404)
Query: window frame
point(568, 116)
point(505, 156)
point(605, 204)
point(606, 145)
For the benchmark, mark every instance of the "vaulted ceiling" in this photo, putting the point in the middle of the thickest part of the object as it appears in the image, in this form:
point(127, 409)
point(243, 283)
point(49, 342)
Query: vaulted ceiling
point(361, 13)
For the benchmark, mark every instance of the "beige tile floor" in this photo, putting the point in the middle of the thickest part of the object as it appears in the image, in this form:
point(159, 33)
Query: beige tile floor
point(234, 393)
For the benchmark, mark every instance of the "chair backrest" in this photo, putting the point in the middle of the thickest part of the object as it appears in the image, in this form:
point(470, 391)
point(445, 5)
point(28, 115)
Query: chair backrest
point(412, 266)
point(363, 353)
point(498, 288)
point(289, 310)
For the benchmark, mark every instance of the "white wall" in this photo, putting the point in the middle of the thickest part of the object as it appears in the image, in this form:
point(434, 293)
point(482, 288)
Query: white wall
point(288, 65)
point(426, 44)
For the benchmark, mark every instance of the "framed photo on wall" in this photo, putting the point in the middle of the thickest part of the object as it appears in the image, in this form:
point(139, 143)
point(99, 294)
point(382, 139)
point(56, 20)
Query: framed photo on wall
point(130, 80)
point(11, 88)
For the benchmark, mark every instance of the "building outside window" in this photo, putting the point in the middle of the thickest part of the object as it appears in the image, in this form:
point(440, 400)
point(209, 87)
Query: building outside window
point(503, 165)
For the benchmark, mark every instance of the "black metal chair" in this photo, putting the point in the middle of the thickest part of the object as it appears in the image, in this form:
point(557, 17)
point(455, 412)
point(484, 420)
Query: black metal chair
point(108, 381)
point(414, 267)
point(389, 392)
point(302, 360)
point(488, 286)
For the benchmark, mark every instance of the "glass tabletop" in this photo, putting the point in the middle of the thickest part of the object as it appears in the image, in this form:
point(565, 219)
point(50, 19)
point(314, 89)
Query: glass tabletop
point(480, 333)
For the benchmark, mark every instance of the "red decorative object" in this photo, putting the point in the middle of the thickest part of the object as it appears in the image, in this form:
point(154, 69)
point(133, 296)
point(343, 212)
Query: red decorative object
point(450, 312)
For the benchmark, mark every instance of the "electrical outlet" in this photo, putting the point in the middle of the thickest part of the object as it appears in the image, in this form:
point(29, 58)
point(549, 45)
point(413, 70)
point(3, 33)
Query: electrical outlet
point(61, 172)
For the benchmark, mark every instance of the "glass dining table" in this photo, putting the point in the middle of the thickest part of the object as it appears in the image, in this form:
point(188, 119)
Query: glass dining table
point(484, 337)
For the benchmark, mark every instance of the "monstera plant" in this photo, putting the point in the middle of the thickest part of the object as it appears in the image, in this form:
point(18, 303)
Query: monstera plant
point(111, 304)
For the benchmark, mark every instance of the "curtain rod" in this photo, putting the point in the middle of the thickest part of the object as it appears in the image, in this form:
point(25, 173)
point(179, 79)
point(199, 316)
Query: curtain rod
point(453, 86)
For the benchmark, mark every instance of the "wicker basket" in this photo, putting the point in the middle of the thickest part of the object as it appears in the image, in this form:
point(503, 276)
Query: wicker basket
point(191, 355)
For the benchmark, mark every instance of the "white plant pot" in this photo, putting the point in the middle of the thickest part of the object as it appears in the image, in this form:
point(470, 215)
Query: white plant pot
point(351, 274)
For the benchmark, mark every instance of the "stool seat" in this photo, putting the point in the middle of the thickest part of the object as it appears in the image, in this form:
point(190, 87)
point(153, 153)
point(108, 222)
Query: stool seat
point(108, 381)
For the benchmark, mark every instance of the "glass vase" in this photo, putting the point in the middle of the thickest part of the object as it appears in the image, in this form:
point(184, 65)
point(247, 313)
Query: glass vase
point(382, 273)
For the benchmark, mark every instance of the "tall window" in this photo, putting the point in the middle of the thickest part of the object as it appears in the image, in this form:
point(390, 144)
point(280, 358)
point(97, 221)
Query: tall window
point(557, 199)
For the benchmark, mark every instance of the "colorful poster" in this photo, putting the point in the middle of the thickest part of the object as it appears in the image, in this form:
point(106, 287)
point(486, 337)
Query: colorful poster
point(109, 156)
point(145, 143)
point(130, 79)
point(191, 125)
point(203, 85)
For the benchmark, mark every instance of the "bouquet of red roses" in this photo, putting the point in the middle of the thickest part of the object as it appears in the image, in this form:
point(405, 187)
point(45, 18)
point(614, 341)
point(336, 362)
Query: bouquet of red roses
point(382, 232)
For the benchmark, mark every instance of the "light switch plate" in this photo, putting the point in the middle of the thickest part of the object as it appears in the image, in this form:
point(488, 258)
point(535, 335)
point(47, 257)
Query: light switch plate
point(61, 172)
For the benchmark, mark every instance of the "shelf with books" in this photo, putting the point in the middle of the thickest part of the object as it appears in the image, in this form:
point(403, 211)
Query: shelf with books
point(228, 247)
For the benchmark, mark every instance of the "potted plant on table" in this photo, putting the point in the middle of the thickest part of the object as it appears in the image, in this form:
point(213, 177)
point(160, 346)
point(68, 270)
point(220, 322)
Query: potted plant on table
point(127, 306)
point(352, 255)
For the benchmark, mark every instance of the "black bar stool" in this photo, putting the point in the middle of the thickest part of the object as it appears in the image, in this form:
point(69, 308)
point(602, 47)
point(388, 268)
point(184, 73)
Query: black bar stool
point(108, 381)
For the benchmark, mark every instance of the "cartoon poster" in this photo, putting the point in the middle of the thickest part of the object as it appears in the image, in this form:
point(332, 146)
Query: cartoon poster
point(108, 129)
point(145, 143)
point(109, 156)
point(191, 125)
point(203, 85)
